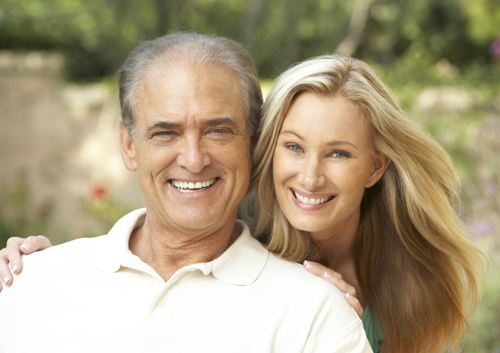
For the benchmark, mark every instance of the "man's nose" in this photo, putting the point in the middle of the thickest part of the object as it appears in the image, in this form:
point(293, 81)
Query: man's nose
point(192, 155)
point(311, 175)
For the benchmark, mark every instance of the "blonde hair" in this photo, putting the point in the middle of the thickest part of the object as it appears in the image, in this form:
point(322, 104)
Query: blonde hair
point(417, 269)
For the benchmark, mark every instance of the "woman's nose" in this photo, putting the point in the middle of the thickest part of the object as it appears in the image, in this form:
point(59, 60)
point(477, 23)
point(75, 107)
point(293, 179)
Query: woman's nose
point(311, 176)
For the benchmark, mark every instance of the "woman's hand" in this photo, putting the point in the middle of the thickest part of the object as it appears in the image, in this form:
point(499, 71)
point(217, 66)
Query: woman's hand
point(12, 254)
point(335, 278)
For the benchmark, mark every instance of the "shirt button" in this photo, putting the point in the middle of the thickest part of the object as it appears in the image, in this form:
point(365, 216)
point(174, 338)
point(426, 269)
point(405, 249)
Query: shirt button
point(161, 303)
point(156, 281)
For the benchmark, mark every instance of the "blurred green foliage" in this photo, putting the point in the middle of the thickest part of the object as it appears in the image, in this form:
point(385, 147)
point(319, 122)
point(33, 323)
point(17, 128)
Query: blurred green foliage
point(96, 35)
point(485, 324)
point(19, 214)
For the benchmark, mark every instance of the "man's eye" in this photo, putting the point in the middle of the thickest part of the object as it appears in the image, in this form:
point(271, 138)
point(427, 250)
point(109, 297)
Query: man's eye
point(220, 131)
point(294, 148)
point(163, 133)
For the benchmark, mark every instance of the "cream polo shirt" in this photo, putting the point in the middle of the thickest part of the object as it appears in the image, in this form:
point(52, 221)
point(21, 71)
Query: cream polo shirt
point(94, 295)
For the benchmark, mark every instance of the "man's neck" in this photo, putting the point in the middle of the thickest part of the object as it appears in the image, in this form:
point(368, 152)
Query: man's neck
point(168, 251)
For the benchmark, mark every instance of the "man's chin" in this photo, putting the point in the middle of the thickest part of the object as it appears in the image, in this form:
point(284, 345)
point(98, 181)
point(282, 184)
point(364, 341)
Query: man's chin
point(199, 222)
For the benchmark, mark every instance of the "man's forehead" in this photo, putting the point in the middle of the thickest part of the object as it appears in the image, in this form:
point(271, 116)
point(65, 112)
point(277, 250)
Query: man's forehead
point(188, 73)
point(190, 94)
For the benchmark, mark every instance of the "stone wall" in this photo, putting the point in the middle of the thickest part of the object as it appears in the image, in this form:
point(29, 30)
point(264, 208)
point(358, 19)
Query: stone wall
point(63, 139)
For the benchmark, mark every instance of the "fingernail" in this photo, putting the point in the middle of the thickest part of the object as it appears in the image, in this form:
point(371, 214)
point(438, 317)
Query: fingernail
point(26, 246)
point(347, 295)
point(6, 279)
point(308, 264)
point(327, 275)
point(14, 268)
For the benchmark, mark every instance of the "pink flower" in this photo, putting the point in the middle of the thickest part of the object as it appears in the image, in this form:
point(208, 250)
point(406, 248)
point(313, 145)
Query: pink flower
point(495, 48)
point(98, 192)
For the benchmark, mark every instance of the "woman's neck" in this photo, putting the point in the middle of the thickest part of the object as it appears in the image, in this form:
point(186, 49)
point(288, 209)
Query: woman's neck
point(337, 248)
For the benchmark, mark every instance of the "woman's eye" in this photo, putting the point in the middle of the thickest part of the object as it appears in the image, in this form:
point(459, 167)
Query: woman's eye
point(340, 154)
point(294, 148)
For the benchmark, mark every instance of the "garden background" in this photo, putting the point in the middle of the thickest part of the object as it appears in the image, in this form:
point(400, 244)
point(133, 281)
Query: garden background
point(61, 172)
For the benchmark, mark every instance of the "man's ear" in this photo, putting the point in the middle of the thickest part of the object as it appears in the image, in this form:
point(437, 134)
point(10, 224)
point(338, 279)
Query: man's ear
point(128, 149)
point(380, 163)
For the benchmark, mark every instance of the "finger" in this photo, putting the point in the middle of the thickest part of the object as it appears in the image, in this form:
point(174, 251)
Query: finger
point(10, 251)
point(28, 246)
point(354, 303)
point(2, 271)
point(331, 276)
point(35, 243)
point(5, 274)
point(318, 269)
point(12, 256)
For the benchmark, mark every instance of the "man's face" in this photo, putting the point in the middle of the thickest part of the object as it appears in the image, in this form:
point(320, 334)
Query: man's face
point(191, 148)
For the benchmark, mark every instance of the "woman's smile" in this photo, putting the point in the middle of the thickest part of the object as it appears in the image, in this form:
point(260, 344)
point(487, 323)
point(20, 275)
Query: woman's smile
point(308, 201)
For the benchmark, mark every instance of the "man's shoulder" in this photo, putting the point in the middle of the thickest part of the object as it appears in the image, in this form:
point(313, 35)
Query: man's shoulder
point(57, 262)
point(294, 277)
point(68, 252)
point(296, 294)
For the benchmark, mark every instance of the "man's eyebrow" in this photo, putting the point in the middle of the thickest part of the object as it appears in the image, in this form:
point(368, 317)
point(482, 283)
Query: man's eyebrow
point(212, 122)
point(221, 121)
point(164, 125)
point(331, 143)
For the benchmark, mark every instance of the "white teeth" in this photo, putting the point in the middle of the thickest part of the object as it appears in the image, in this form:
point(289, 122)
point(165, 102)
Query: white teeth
point(312, 201)
point(186, 187)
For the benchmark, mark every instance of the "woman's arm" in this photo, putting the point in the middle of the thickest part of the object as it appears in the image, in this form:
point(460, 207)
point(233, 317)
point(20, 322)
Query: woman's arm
point(335, 278)
point(12, 254)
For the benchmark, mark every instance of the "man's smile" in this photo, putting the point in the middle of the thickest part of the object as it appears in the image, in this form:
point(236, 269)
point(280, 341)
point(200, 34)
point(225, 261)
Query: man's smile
point(192, 186)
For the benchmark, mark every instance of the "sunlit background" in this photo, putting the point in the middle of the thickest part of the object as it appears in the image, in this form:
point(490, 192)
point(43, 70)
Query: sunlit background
point(61, 172)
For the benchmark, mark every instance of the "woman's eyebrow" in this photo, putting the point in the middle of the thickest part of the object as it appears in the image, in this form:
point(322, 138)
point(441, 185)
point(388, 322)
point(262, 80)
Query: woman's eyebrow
point(291, 132)
point(331, 143)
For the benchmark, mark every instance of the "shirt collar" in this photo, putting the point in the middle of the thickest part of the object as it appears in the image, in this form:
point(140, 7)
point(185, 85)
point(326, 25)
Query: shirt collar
point(240, 264)
point(243, 262)
point(110, 254)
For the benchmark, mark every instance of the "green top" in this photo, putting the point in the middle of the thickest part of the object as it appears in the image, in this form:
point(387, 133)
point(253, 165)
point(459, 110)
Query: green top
point(372, 330)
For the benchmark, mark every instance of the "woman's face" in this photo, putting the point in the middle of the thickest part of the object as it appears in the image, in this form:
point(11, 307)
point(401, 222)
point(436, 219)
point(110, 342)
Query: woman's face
point(322, 164)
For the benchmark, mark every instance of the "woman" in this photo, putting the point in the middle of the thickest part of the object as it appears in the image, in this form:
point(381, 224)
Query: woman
point(342, 178)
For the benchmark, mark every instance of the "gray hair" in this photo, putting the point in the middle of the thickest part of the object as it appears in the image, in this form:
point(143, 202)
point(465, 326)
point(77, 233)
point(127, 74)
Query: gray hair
point(199, 48)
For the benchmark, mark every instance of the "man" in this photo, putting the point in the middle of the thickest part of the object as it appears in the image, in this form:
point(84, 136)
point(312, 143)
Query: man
point(183, 275)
